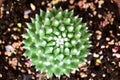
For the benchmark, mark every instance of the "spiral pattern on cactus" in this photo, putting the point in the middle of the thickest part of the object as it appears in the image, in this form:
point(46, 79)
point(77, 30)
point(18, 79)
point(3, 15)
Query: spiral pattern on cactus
point(56, 41)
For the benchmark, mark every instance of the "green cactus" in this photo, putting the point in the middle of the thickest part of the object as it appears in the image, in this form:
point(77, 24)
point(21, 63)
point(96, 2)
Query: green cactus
point(56, 41)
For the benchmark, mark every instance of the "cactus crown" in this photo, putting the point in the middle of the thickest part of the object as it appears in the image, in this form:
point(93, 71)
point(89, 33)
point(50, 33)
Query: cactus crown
point(56, 41)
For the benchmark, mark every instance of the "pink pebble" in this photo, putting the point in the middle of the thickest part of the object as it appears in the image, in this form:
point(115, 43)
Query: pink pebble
point(0, 53)
point(101, 23)
point(116, 48)
point(29, 62)
point(80, 3)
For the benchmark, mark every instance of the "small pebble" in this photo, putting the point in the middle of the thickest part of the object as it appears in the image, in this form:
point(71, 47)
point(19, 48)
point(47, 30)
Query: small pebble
point(97, 44)
point(116, 55)
point(29, 72)
point(98, 32)
point(29, 62)
point(26, 16)
point(95, 55)
point(7, 12)
point(113, 62)
point(101, 52)
point(38, 76)
point(100, 3)
point(19, 25)
point(118, 34)
point(101, 57)
point(6, 67)
point(55, 2)
point(71, 1)
point(115, 49)
point(13, 62)
point(1, 11)
point(73, 71)
point(111, 42)
point(0, 53)
point(0, 75)
point(119, 27)
point(23, 71)
point(83, 75)
point(42, 3)
point(27, 12)
point(102, 46)
point(103, 75)
point(98, 62)
point(93, 74)
point(99, 37)
point(32, 6)
point(99, 16)
point(80, 4)
point(107, 46)
point(107, 39)
point(119, 64)
point(90, 79)
point(95, 12)
point(9, 48)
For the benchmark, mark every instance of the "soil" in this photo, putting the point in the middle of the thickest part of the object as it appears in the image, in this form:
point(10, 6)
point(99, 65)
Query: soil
point(103, 21)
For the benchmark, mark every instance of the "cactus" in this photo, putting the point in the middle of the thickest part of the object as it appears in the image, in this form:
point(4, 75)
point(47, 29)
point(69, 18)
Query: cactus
point(56, 41)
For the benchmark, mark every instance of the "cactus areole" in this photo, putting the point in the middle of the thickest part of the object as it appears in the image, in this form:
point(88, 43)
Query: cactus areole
point(56, 41)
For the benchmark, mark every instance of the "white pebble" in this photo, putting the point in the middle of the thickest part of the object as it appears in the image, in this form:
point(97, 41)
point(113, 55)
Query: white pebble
point(8, 48)
point(27, 12)
point(7, 12)
point(102, 46)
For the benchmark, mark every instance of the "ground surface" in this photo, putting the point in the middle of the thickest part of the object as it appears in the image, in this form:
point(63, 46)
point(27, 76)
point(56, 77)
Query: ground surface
point(103, 21)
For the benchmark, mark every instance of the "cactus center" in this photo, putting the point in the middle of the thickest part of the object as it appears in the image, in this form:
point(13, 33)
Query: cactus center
point(60, 41)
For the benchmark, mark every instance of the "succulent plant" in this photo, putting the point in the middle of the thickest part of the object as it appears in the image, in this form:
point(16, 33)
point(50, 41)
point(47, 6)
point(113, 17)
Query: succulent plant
point(56, 41)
